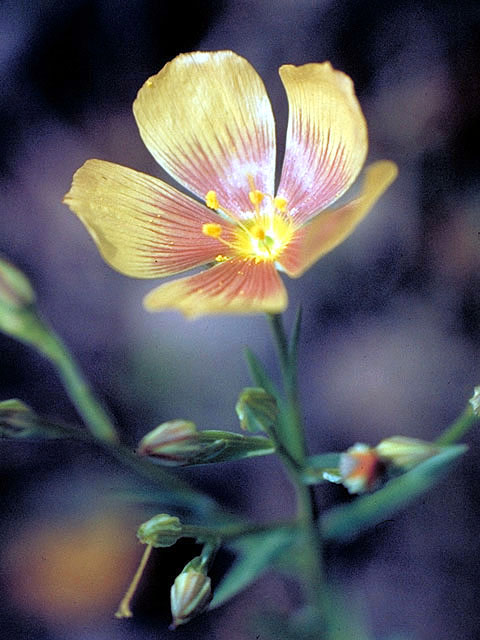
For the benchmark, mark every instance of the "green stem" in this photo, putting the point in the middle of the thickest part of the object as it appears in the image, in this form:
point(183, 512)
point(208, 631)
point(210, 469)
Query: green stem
point(459, 427)
point(315, 584)
point(233, 531)
point(77, 387)
point(293, 437)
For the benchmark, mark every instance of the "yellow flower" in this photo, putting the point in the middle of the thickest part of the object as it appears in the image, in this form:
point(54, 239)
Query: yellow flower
point(206, 118)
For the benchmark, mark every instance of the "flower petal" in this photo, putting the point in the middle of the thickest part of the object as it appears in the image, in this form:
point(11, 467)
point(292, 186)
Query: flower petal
point(236, 286)
point(206, 118)
point(326, 138)
point(142, 226)
point(330, 228)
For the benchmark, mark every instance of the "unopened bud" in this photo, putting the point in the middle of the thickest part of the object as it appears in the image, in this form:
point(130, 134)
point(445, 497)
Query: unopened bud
point(16, 302)
point(15, 289)
point(190, 594)
point(475, 401)
point(256, 409)
point(173, 443)
point(17, 420)
point(360, 468)
point(179, 443)
point(405, 453)
point(162, 530)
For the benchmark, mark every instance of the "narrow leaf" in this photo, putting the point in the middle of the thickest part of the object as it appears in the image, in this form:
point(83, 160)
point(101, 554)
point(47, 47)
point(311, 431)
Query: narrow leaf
point(256, 554)
point(348, 521)
point(259, 376)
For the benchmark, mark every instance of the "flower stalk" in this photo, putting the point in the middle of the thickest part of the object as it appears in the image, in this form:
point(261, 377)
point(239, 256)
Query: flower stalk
point(307, 511)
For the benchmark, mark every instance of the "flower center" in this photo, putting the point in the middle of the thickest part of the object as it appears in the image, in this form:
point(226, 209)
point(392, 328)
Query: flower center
point(262, 236)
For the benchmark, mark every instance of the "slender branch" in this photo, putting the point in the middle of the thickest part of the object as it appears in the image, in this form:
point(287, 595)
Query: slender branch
point(459, 427)
point(294, 436)
point(78, 389)
point(307, 512)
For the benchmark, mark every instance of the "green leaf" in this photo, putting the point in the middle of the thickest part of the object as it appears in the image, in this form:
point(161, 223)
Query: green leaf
point(262, 379)
point(256, 554)
point(260, 376)
point(348, 521)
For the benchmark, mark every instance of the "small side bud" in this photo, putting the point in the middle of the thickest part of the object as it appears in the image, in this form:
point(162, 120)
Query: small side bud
point(162, 530)
point(190, 594)
point(173, 443)
point(18, 420)
point(15, 290)
point(17, 313)
point(475, 401)
point(256, 409)
point(405, 453)
point(178, 443)
point(360, 468)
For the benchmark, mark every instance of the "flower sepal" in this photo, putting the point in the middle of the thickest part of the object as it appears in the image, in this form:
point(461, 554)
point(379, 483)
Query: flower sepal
point(178, 443)
point(162, 530)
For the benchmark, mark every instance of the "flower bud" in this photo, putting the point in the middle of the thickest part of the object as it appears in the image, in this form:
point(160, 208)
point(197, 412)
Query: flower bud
point(178, 443)
point(405, 453)
point(174, 443)
point(15, 290)
point(360, 468)
point(475, 401)
point(17, 315)
point(190, 594)
point(256, 409)
point(162, 530)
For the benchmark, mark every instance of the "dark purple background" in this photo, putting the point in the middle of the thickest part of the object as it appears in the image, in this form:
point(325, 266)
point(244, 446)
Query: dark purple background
point(391, 334)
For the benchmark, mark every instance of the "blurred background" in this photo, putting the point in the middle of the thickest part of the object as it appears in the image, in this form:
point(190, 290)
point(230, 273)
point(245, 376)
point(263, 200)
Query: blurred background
point(391, 332)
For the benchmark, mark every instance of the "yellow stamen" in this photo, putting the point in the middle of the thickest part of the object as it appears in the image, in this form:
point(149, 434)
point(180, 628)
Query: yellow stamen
point(221, 258)
point(211, 200)
point(124, 610)
point(280, 203)
point(212, 229)
point(258, 232)
point(256, 196)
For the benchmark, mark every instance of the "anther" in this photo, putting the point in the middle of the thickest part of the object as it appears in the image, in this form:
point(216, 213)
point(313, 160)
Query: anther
point(211, 200)
point(258, 232)
point(280, 203)
point(212, 229)
point(255, 197)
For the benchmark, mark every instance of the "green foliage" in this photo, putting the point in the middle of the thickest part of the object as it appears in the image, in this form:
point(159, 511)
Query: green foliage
point(261, 377)
point(256, 553)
